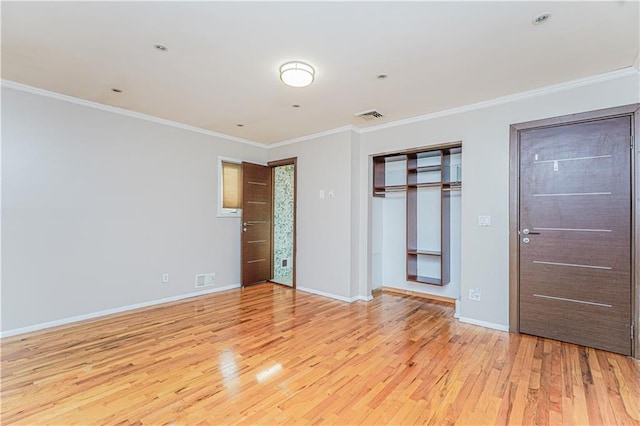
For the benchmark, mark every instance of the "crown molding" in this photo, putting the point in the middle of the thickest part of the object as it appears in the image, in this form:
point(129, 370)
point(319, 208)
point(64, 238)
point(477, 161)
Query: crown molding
point(624, 72)
point(316, 135)
point(121, 111)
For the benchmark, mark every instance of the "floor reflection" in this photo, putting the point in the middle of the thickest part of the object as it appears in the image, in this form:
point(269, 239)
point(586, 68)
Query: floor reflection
point(229, 370)
point(268, 372)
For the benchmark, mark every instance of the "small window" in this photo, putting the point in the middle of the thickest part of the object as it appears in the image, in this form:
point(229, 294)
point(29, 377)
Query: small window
point(230, 191)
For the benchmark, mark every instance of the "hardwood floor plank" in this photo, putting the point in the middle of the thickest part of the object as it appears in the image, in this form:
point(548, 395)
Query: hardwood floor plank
point(624, 393)
point(271, 355)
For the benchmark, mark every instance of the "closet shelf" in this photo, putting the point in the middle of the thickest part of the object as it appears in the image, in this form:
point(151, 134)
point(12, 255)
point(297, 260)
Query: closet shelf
point(424, 280)
point(424, 184)
point(390, 188)
point(431, 168)
point(425, 252)
point(451, 186)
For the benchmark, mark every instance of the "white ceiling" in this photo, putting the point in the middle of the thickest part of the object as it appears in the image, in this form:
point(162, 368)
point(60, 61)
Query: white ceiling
point(221, 67)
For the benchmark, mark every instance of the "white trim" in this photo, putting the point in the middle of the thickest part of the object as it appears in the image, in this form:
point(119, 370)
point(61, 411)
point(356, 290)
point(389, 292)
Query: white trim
point(368, 298)
point(315, 136)
point(624, 72)
point(92, 315)
point(325, 294)
point(59, 96)
point(484, 324)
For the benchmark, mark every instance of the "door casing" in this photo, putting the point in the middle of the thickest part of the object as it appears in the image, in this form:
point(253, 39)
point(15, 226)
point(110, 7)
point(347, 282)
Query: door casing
point(273, 165)
point(514, 207)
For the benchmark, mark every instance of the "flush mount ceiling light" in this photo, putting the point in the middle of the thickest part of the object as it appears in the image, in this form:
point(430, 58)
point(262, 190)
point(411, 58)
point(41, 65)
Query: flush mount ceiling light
point(297, 74)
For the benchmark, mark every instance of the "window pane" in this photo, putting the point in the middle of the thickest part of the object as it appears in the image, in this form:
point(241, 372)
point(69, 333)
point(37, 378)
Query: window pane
point(231, 185)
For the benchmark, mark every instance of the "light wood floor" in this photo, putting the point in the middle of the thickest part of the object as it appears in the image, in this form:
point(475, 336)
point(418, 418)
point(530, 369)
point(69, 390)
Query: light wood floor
point(269, 355)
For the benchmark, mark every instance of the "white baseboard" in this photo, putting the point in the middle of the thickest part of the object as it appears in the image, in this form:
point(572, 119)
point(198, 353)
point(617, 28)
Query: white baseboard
point(485, 324)
point(92, 315)
point(364, 298)
point(334, 296)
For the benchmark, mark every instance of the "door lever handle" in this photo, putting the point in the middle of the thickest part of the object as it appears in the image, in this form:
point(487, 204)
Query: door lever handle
point(526, 231)
point(247, 224)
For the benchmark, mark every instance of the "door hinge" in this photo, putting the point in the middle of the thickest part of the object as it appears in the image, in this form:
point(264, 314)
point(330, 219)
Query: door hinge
point(632, 330)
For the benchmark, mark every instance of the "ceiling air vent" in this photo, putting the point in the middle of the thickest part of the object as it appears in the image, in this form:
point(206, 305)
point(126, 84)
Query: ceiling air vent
point(369, 115)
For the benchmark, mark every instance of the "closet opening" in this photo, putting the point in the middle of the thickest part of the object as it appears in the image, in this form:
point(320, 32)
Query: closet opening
point(416, 216)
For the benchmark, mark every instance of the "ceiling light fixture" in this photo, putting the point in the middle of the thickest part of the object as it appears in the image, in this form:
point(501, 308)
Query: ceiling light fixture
point(297, 74)
point(541, 18)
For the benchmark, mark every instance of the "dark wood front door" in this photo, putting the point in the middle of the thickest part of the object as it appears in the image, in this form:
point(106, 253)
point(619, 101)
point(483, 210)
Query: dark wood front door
point(575, 233)
point(256, 224)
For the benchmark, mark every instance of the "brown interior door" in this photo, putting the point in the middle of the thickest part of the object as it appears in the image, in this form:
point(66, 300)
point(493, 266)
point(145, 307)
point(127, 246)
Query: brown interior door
point(256, 224)
point(575, 233)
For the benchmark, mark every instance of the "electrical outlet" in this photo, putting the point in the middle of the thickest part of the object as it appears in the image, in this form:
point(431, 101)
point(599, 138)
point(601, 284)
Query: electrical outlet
point(474, 294)
point(165, 278)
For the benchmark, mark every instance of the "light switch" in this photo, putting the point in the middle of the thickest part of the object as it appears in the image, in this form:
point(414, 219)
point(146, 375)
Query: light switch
point(484, 220)
point(322, 193)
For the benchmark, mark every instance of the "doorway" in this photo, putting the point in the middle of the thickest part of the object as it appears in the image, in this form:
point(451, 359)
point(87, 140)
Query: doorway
point(268, 243)
point(573, 260)
point(284, 220)
point(255, 243)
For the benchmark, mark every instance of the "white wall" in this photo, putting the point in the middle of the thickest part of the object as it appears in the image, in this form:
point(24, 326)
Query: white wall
point(96, 206)
point(484, 133)
point(356, 232)
point(324, 226)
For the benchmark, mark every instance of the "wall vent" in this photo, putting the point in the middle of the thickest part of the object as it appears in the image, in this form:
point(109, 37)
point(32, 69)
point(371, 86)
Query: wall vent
point(369, 115)
point(287, 262)
point(205, 280)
